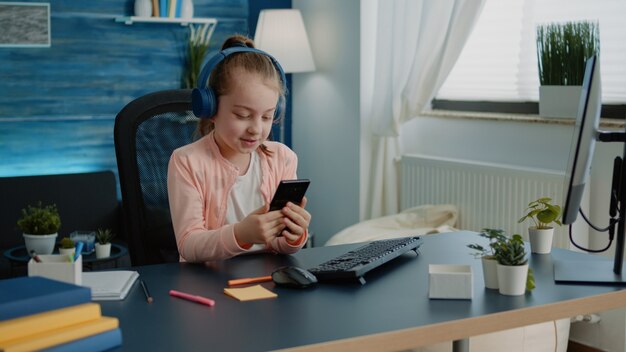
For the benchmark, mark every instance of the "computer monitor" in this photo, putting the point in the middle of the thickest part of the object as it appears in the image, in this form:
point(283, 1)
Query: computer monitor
point(586, 133)
point(583, 140)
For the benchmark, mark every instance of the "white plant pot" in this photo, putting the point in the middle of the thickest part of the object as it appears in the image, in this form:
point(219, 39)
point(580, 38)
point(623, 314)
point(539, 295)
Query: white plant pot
point(540, 240)
point(103, 250)
point(41, 244)
point(559, 101)
point(490, 273)
point(143, 8)
point(512, 279)
point(186, 10)
point(67, 251)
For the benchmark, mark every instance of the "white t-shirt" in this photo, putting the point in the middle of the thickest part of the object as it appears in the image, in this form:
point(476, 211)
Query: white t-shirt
point(245, 196)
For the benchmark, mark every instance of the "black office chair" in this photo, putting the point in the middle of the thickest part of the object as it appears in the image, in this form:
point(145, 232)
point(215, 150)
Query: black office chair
point(147, 131)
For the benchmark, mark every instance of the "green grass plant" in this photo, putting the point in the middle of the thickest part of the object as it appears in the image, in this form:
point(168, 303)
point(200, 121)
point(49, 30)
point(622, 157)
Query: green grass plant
point(563, 49)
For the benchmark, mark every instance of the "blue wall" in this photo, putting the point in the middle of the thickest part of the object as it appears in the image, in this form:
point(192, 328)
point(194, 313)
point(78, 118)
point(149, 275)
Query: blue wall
point(58, 104)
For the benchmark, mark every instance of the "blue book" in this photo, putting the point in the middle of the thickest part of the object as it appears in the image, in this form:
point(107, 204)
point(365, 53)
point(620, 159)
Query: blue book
point(178, 6)
point(93, 343)
point(163, 8)
point(25, 295)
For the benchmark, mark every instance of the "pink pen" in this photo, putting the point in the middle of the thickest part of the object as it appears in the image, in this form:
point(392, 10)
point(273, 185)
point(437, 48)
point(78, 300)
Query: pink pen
point(198, 299)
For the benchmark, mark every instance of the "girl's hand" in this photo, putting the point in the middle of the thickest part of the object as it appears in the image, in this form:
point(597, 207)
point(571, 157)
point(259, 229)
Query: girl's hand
point(296, 220)
point(260, 226)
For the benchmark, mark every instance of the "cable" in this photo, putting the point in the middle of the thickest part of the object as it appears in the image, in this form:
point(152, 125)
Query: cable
point(612, 222)
point(615, 208)
point(571, 238)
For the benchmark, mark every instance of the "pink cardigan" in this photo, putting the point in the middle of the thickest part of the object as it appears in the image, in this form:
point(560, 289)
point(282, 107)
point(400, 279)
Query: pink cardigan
point(199, 180)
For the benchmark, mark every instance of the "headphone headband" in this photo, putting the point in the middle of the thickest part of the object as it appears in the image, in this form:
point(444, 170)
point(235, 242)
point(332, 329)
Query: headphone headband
point(204, 101)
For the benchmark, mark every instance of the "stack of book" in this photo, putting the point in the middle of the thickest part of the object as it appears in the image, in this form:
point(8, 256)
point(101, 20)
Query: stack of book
point(42, 314)
point(166, 8)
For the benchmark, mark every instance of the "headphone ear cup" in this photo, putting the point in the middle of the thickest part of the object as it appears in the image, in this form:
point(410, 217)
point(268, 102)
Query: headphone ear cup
point(203, 102)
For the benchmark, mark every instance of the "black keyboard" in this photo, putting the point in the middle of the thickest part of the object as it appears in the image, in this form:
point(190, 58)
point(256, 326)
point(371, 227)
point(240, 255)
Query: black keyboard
point(354, 264)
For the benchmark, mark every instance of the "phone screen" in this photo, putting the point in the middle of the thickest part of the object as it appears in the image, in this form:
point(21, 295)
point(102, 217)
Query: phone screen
point(289, 191)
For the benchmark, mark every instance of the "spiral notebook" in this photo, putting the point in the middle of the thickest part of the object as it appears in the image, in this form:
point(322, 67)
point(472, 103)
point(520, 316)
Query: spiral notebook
point(109, 285)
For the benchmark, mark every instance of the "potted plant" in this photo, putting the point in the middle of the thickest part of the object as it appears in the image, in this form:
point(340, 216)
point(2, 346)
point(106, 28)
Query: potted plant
point(514, 277)
point(562, 50)
point(196, 50)
point(40, 225)
point(103, 243)
point(542, 213)
point(67, 246)
point(487, 255)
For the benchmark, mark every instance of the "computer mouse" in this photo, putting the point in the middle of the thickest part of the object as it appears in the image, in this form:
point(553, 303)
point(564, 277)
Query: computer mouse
point(293, 276)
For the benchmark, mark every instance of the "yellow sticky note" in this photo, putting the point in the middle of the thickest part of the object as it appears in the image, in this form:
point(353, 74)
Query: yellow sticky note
point(250, 293)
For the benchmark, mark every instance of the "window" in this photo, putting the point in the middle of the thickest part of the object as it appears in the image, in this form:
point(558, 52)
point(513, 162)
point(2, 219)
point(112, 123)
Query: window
point(499, 61)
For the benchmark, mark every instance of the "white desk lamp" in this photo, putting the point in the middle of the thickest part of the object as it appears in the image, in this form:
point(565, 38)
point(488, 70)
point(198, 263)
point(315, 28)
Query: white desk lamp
point(281, 33)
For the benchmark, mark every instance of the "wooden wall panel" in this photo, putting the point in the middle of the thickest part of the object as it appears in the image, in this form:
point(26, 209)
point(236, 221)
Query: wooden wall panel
point(58, 104)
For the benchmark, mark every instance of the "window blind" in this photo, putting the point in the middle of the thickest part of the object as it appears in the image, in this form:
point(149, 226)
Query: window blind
point(499, 61)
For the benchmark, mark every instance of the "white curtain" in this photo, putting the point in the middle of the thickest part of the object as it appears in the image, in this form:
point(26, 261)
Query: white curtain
point(417, 44)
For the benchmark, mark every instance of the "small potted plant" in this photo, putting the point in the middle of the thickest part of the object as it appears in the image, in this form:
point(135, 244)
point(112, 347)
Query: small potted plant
point(487, 255)
point(40, 226)
point(562, 50)
point(103, 243)
point(196, 50)
point(67, 246)
point(542, 213)
point(514, 277)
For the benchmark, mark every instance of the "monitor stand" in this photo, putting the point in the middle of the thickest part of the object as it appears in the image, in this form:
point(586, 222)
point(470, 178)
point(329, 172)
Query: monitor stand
point(602, 271)
point(587, 271)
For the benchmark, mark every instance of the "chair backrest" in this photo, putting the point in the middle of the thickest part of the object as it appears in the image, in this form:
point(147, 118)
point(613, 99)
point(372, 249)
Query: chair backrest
point(147, 131)
point(86, 201)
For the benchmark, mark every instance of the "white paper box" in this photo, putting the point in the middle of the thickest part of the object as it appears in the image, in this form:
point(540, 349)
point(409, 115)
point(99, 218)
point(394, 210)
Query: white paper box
point(450, 281)
point(57, 267)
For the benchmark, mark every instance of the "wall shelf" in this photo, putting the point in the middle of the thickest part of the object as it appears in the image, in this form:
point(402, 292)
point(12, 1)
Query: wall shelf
point(129, 20)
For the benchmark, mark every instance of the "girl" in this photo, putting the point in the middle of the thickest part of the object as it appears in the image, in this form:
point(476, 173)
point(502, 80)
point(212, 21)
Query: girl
point(220, 186)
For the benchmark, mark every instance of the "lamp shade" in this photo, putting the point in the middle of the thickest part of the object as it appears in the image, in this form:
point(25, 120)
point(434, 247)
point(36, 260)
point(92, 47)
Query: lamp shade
point(281, 33)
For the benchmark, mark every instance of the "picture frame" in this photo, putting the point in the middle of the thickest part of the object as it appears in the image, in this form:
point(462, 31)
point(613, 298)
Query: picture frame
point(25, 24)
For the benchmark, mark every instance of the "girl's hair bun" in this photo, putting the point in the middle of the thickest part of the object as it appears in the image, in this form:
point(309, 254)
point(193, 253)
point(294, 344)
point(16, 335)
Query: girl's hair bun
point(238, 40)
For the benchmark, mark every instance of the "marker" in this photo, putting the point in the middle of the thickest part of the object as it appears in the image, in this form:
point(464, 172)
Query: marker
point(198, 299)
point(34, 255)
point(145, 291)
point(78, 250)
point(249, 280)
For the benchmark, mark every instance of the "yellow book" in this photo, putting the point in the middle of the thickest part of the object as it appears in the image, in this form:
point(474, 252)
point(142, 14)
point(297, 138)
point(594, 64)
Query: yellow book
point(172, 8)
point(59, 336)
point(155, 8)
point(35, 324)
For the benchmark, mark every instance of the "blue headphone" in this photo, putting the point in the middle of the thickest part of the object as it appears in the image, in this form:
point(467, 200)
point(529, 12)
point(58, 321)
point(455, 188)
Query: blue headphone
point(204, 99)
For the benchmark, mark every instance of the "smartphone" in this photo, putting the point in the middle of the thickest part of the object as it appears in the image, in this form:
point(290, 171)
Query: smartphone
point(289, 191)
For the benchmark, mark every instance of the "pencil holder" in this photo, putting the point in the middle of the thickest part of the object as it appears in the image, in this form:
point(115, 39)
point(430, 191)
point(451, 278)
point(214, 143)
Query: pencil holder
point(57, 267)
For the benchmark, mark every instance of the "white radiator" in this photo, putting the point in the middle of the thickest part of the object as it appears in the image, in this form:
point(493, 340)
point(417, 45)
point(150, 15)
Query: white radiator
point(487, 195)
